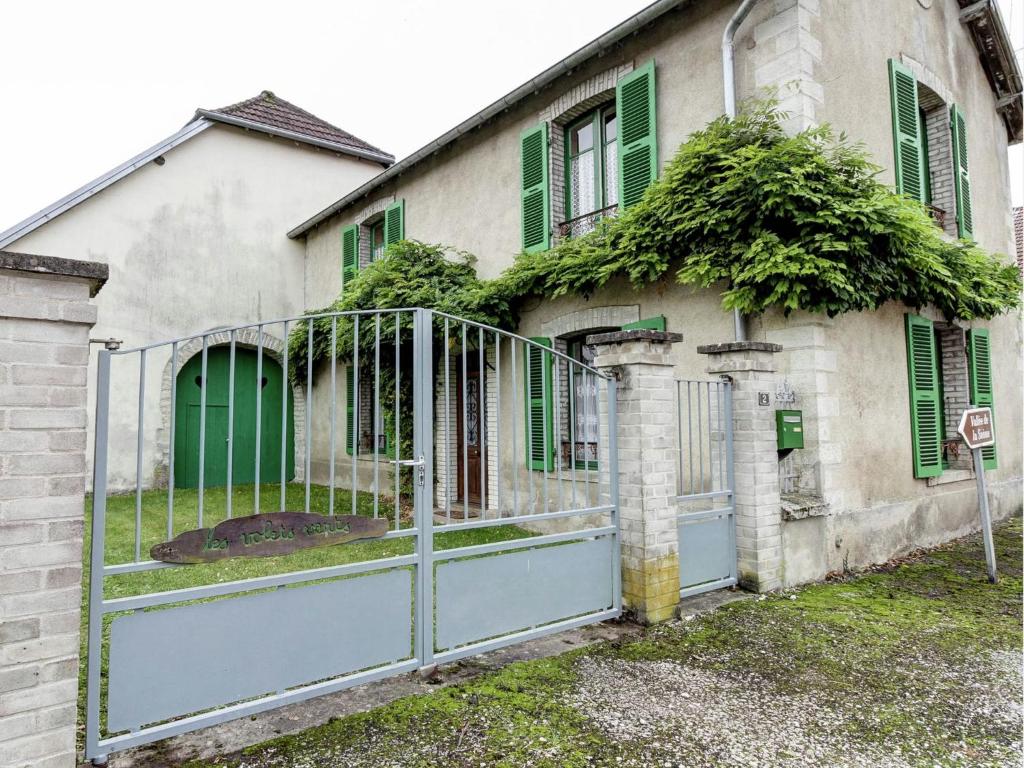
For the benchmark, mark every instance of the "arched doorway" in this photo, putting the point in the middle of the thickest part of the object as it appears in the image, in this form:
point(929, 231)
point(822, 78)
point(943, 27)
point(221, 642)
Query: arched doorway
point(187, 420)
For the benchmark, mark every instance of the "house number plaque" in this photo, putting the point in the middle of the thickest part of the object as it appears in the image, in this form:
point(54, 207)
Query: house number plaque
point(267, 535)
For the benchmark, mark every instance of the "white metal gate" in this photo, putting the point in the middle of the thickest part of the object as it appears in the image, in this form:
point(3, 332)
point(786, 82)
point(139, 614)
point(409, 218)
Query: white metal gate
point(707, 516)
point(172, 650)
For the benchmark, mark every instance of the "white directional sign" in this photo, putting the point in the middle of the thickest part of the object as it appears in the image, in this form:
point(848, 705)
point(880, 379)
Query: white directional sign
point(976, 428)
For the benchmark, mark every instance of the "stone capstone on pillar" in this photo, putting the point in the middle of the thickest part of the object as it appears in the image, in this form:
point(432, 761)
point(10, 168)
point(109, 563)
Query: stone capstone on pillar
point(647, 444)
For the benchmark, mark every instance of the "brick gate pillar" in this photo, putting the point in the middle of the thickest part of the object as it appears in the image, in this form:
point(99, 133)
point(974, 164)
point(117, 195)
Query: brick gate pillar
point(751, 367)
point(45, 317)
point(639, 360)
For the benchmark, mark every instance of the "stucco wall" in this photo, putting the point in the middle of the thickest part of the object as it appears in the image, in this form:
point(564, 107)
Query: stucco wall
point(196, 243)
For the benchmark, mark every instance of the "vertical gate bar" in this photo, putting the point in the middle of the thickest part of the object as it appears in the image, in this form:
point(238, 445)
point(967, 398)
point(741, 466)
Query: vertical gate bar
point(138, 456)
point(449, 486)
point(679, 437)
point(515, 431)
point(711, 450)
point(720, 400)
point(528, 405)
point(544, 427)
point(257, 475)
point(231, 424)
point(309, 410)
point(355, 409)
point(481, 430)
point(170, 441)
point(572, 429)
point(497, 418)
point(730, 463)
point(586, 435)
point(286, 389)
point(99, 513)
point(689, 430)
point(423, 484)
point(558, 429)
point(376, 416)
point(398, 419)
point(465, 433)
point(613, 492)
point(700, 442)
point(202, 426)
point(334, 414)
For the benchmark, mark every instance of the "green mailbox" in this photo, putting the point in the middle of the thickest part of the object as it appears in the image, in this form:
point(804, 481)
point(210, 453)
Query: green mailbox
point(789, 426)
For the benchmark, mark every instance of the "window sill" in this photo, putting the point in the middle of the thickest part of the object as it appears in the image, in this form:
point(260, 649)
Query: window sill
point(951, 476)
point(797, 506)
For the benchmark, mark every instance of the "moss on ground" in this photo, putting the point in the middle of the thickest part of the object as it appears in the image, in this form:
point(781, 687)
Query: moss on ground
point(900, 657)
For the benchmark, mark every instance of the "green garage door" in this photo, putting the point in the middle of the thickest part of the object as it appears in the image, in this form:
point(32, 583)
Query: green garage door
point(187, 417)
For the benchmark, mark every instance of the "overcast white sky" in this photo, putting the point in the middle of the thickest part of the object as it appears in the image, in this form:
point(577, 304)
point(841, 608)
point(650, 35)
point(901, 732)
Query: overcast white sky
point(89, 84)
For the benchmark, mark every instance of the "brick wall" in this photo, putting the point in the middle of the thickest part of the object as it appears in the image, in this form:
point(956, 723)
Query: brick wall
point(45, 319)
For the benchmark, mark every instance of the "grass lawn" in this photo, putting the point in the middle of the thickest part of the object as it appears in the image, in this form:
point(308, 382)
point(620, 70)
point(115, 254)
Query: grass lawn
point(120, 542)
point(913, 664)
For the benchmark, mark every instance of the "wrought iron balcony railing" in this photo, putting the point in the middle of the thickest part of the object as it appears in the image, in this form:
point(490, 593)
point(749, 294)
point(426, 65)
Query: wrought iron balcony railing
point(938, 215)
point(581, 225)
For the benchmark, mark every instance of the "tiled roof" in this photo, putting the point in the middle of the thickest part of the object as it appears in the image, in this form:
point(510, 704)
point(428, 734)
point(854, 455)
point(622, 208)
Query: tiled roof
point(274, 112)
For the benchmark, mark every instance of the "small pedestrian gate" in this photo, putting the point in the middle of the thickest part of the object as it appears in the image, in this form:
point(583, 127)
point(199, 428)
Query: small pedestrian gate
point(706, 518)
point(429, 400)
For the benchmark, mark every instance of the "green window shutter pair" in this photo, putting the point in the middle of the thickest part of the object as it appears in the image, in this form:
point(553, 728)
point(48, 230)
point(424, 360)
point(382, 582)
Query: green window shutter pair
point(540, 438)
point(637, 137)
point(964, 220)
point(394, 230)
point(926, 407)
point(349, 254)
point(979, 381)
point(637, 153)
point(908, 144)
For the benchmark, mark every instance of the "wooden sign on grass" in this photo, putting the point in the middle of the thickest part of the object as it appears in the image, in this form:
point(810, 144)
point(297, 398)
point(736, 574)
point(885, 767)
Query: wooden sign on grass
point(267, 535)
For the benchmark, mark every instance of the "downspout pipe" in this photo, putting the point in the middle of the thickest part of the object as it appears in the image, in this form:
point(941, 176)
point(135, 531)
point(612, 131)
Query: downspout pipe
point(729, 91)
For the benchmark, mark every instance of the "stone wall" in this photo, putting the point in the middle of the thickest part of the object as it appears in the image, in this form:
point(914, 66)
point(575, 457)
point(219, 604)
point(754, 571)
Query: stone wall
point(45, 318)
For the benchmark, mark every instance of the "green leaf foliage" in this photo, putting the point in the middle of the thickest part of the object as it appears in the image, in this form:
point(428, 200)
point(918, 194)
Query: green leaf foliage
point(796, 222)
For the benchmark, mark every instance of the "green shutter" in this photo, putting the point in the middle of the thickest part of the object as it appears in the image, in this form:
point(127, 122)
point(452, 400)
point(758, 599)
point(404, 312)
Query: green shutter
point(925, 406)
point(979, 381)
point(906, 131)
point(964, 220)
point(539, 406)
point(394, 223)
point(349, 254)
point(637, 138)
point(350, 408)
point(535, 205)
point(656, 323)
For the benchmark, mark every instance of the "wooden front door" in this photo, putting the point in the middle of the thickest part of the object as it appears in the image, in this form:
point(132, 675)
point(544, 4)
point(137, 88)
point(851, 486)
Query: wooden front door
point(471, 447)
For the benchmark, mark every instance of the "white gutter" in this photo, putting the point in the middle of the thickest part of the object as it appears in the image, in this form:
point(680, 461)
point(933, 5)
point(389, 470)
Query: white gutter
point(729, 91)
point(566, 65)
point(83, 193)
point(252, 125)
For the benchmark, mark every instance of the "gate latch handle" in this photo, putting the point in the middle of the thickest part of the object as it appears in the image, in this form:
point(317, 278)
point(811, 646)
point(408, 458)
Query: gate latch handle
point(418, 463)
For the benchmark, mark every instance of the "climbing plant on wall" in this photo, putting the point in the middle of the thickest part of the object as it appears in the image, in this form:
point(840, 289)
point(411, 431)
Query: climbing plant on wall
point(794, 222)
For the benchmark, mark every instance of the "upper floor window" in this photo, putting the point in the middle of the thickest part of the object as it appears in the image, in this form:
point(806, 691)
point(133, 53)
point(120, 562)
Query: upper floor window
point(591, 161)
point(377, 244)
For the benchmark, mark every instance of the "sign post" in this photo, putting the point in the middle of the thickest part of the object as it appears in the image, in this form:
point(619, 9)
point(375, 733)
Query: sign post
point(978, 432)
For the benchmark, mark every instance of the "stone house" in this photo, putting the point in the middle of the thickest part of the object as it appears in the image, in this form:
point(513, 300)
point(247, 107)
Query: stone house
point(192, 232)
point(933, 93)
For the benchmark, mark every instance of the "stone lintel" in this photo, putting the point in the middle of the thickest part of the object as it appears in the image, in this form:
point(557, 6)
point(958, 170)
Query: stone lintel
point(738, 346)
point(639, 334)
